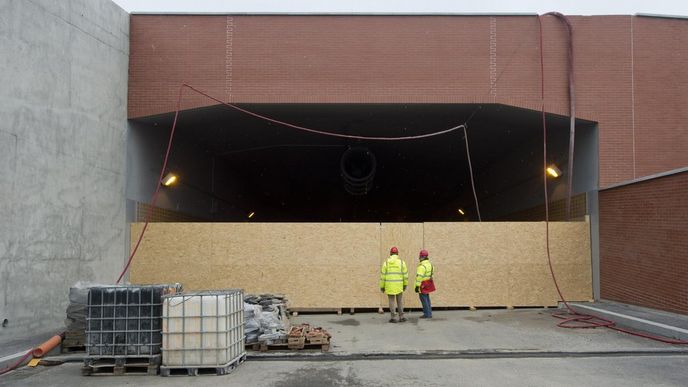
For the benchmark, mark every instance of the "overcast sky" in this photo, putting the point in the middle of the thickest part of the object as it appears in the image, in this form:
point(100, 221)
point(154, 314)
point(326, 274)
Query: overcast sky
point(571, 7)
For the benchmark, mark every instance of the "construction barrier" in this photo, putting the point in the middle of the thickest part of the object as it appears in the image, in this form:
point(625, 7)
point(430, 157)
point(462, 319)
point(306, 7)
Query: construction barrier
point(336, 265)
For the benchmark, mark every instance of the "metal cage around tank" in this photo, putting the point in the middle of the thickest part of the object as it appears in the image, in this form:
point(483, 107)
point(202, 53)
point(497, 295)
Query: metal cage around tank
point(203, 329)
point(125, 321)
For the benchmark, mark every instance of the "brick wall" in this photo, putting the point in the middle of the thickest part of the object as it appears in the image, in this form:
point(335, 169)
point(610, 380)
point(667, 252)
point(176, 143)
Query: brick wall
point(644, 243)
point(629, 73)
point(160, 214)
point(556, 211)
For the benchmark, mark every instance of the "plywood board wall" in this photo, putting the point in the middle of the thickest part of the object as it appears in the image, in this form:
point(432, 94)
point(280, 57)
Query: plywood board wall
point(337, 265)
point(317, 265)
point(505, 263)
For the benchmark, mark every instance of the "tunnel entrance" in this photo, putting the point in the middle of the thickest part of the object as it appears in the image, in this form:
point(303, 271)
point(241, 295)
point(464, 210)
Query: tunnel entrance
point(234, 167)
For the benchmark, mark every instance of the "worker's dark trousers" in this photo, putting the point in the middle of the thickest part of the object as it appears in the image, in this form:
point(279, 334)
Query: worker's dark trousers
point(399, 302)
point(425, 301)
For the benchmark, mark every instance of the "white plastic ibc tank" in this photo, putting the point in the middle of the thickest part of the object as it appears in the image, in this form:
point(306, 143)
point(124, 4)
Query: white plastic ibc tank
point(203, 329)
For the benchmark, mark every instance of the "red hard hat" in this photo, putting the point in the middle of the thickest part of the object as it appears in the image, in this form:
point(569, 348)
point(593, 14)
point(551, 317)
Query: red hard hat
point(394, 250)
point(424, 253)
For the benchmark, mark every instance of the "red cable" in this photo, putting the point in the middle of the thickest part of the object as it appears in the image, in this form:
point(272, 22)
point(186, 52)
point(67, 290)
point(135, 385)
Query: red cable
point(157, 188)
point(293, 126)
point(15, 365)
point(572, 318)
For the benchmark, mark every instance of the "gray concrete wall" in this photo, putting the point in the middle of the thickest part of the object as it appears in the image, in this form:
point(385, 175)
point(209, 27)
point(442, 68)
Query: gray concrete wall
point(63, 71)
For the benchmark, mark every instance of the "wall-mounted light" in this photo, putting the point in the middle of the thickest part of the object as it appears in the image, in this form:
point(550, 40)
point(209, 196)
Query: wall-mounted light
point(461, 212)
point(169, 179)
point(553, 171)
point(251, 214)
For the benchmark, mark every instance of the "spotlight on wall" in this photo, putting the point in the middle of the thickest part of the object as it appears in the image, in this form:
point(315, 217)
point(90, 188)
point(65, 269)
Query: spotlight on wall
point(553, 171)
point(169, 179)
point(461, 212)
point(251, 214)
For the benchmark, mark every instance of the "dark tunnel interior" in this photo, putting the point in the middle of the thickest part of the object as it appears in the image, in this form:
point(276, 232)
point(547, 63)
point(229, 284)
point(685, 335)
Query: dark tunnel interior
point(286, 175)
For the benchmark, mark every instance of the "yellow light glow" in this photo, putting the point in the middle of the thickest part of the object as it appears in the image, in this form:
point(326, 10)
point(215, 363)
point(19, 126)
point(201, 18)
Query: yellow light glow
point(553, 171)
point(251, 214)
point(461, 212)
point(170, 179)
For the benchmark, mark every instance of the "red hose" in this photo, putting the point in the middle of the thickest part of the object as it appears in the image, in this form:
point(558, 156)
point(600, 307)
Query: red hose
point(157, 188)
point(322, 132)
point(17, 364)
point(572, 318)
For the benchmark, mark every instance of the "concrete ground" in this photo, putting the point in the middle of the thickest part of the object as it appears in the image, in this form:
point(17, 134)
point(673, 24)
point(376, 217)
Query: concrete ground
point(520, 347)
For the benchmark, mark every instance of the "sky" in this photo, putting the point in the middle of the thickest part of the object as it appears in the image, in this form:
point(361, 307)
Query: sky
point(570, 7)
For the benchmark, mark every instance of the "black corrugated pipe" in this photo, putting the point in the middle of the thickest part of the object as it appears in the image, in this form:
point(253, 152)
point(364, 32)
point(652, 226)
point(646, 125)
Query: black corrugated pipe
point(358, 166)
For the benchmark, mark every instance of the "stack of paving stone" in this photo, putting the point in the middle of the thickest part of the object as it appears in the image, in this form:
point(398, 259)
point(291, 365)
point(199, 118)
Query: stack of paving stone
point(265, 318)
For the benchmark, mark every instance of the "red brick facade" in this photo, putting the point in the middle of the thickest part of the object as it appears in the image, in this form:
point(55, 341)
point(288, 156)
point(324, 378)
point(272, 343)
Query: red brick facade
point(644, 243)
point(630, 76)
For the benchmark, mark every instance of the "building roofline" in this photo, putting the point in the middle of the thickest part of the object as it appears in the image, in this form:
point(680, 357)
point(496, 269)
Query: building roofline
point(661, 16)
point(331, 14)
point(646, 178)
point(478, 14)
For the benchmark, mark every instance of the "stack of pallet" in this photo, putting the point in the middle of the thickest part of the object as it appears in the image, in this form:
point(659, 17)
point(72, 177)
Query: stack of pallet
point(75, 323)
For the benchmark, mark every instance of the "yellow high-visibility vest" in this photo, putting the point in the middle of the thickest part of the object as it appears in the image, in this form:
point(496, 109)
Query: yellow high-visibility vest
point(423, 272)
point(393, 275)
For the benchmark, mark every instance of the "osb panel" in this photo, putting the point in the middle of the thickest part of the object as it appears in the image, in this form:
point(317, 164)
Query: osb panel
point(505, 263)
point(171, 252)
point(462, 284)
point(408, 238)
point(530, 284)
point(315, 265)
point(333, 265)
point(571, 259)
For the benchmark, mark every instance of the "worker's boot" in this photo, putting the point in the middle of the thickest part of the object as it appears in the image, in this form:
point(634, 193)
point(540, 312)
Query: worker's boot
point(393, 319)
point(402, 318)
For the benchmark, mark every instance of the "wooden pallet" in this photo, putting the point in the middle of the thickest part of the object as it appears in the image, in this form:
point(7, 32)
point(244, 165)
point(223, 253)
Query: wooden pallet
point(507, 307)
point(121, 366)
point(74, 341)
point(73, 349)
point(202, 370)
point(252, 347)
point(285, 347)
point(296, 311)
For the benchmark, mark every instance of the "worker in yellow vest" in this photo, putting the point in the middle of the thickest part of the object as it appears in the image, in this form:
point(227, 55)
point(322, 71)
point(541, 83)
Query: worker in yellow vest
point(393, 282)
point(424, 283)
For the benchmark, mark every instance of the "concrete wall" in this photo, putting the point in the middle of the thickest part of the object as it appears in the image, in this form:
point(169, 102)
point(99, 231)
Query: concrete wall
point(63, 71)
